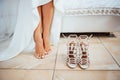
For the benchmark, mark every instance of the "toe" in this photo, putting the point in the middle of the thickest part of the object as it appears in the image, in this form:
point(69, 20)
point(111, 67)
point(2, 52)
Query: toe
point(46, 53)
point(49, 51)
point(37, 56)
point(42, 56)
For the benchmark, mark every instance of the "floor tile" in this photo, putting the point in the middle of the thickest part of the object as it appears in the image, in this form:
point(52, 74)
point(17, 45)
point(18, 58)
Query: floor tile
point(104, 59)
point(38, 75)
point(26, 60)
point(100, 59)
point(117, 34)
point(12, 74)
point(112, 44)
point(86, 75)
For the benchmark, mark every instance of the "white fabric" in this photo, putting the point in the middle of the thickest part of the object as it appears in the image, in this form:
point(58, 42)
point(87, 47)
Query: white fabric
point(63, 5)
point(8, 16)
point(36, 3)
point(27, 21)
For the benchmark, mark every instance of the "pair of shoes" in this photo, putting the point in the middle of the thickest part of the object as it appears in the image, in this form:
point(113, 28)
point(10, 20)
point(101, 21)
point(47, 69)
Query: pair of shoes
point(77, 51)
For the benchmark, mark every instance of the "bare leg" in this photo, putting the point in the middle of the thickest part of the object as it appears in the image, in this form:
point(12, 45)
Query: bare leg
point(47, 11)
point(39, 48)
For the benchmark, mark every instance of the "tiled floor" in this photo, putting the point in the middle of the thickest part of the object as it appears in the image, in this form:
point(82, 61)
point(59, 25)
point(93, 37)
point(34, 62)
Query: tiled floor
point(104, 63)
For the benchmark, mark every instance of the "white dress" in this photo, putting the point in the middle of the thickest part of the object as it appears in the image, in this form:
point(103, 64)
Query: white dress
point(27, 21)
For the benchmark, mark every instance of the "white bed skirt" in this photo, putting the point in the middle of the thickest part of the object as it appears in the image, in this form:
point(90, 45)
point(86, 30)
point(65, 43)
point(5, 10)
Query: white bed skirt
point(93, 23)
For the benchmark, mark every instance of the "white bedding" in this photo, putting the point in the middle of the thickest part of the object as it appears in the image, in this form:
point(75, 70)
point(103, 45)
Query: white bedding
point(63, 5)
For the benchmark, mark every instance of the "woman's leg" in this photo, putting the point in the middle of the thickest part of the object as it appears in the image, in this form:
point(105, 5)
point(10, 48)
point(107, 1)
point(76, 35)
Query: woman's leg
point(47, 11)
point(39, 48)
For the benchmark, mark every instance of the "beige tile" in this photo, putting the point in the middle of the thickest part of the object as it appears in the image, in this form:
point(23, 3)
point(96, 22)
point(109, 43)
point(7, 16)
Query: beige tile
point(26, 60)
point(113, 46)
point(117, 34)
point(38, 75)
point(100, 59)
point(86, 75)
point(12, 74)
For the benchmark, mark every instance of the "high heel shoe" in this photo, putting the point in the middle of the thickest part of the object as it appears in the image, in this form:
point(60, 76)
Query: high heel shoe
point(83, 59)
point(72, 51)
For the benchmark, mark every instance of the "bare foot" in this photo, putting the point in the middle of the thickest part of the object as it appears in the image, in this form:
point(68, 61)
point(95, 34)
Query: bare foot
point(39, 50)
point(47, 46)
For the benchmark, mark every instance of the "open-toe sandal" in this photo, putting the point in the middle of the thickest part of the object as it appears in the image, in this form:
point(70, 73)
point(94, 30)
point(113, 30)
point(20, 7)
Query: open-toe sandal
point(83, 52)
point(72, 51)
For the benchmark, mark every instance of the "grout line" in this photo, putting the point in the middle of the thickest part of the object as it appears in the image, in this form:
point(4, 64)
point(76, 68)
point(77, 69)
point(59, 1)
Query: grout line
point(68, 69)
point(55, 62)
point(24, 75)
point(21, 69)
point(86, 70)
point(60, 69)
point(110, 53)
